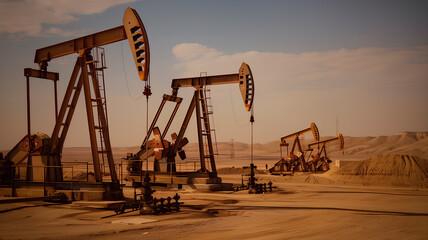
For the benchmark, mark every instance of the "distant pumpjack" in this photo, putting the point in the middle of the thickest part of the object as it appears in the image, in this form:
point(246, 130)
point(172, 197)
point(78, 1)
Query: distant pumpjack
point(296, 161)
point(320, 161)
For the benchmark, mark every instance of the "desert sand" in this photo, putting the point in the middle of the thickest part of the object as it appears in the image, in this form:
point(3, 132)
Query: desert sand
point(297, 210)
point(381, 194)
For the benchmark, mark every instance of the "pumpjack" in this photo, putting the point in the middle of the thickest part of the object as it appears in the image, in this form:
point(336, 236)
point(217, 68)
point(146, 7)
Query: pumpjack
point(320, 161)
point(42, 153)
point(165, 152)
point(296, 160)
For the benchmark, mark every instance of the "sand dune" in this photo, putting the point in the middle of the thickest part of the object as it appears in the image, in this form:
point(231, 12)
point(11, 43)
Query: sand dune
point(412, 143)
point(356, 148)
point(380, 197)
point(394, 170)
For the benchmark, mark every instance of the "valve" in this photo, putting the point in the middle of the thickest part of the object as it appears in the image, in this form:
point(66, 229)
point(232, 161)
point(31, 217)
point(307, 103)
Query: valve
point(147, 92)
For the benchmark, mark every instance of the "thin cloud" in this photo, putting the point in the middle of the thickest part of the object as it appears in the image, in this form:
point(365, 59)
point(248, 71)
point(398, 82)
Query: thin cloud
point(27, 17)
point(369, 89)
point(189, 51)
point(374, 66)
point(54, 31)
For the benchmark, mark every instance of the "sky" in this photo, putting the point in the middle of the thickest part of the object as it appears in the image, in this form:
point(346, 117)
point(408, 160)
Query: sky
point(363, 64)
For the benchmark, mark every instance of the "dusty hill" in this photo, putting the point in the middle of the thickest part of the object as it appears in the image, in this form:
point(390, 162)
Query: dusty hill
point(412, 143)
point(238, 171)
point(356, 148)
point(389, 169)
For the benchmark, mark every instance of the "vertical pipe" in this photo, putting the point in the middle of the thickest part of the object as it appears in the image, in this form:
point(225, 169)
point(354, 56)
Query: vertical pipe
point(72, 173)
point(252, 178)
point(44, 181)
point(56, 100)
point(147, 130)
point(170, 172)
point(251, 142)
point(28, 113)
point(120, 172)
point(198, 124)
point(29, 174)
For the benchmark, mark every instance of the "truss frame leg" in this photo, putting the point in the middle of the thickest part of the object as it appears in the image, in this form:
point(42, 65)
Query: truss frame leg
point(90, 117)
point(207, 126)
point(104, 127)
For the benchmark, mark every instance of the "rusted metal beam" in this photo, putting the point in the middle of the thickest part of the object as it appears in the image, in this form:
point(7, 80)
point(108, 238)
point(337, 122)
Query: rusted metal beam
point(244, 78)
point(34, 73)
point(28, 72)
point(74, 46)
point(313, 128)
point(205, 118)
point(70, 112)
point(90, 116)
point(338, 138)
point(177, 100)
point(63, 110)
point(196, 98)
point(185, 123)
point(165, 98)
point(102, 117)
point(204, 81)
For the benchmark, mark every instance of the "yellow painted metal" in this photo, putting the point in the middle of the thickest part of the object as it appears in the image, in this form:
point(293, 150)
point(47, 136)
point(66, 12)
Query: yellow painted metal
point(341, 142)
point(315, 132)
point(338, 138)
point(138, 41)
point(74, 46)
point(246, 85)
point(41, 74)
point(313, 129)
point(132, 29)
point(204, 81)
point(244, 78)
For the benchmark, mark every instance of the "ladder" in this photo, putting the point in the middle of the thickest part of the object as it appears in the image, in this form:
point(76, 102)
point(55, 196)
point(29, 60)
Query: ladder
point(101, 102)
point(210, 112)
point(90, 72)
point(206, 131)
point(100, 65)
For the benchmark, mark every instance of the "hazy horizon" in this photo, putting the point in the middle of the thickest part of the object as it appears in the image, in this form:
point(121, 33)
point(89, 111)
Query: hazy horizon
point(363, 63)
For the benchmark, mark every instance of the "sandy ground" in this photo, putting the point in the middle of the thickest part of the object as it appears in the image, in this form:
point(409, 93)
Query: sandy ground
point(304, 206)
point(298, 209)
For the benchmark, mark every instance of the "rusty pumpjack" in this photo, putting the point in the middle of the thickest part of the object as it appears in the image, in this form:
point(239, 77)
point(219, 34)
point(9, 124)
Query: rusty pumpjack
point(321, 162)
point(296, 160)
point(164, 152)
point(43, 153)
